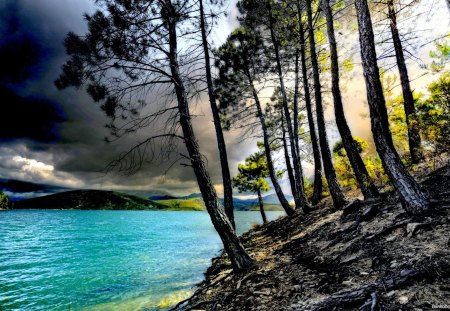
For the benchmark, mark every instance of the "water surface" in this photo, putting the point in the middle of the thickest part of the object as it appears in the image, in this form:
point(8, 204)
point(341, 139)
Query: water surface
point(105, 260)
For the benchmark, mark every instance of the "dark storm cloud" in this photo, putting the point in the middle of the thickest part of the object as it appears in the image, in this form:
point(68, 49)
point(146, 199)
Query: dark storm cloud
point(55, 136)
point(33, 117)
point(21, 51)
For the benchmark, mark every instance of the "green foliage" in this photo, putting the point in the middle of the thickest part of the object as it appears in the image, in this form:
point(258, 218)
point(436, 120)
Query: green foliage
point(434, 115)
point(252, 174)
point(339, 149)
point(441, 56)
point(344, 169)
point(396, 114)
point(5, 202)
point(191, 204)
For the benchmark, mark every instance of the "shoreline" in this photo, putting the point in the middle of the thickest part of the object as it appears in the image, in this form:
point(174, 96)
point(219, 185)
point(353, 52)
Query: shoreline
point(373, 253)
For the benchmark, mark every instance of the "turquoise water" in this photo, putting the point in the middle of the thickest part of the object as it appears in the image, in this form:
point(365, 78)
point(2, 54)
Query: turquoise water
point(105, 260)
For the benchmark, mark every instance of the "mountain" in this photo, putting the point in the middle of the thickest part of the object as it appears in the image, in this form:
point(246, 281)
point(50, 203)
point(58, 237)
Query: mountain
point(87, 200)
point(19, 190)
point(161, 197)
point(273, 199)
point(194, 201)
point(191, 196)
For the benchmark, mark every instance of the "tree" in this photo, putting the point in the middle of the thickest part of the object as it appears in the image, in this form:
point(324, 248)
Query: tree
point(299, 195)
point(335, 190)
point(241, 61)
point(408, 100)
point(227, 187)
point(252, 177)
point(413, 198)
point(5, 202)
point(362, 176)
point(264, 20)
point(275, 116)
point(131, 47)
point(317, 192)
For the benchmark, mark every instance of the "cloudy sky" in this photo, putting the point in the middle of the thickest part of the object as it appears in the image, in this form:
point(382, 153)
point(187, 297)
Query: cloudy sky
point(57, 137)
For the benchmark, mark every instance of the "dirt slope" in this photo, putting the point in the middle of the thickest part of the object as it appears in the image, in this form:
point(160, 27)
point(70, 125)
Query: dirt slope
point(371, 256)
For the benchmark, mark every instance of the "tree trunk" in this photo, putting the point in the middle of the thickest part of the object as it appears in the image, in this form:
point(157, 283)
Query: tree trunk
point(288, 159)
point(227, 187)
point(413, 198)
point(296, 95)
point(261, 207)
point(415, 148)
point(317, 194)
point(239, 258)
point(335, 190)
point(362, 176)
point(299, 196)
point(273, 176)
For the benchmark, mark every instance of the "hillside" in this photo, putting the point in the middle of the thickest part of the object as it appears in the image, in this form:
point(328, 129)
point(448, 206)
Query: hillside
point(370, 256)
point(87, 200)
point(194, 202)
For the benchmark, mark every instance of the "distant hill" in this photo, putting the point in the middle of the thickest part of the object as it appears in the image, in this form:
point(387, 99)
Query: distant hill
point(19, 190)
point(273, 199)
point(191, 196)
point(161, 197)
point(87, 200)
point(194, 202)
point(111, 200)
point(190, 204)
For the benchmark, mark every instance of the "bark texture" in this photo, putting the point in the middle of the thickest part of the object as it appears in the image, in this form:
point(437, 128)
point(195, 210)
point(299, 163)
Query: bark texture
point(413, 198)
point(299, 195)
point(318, 187)
point(359, 169)
point(226, 177)
point(261, 207)
point(287, 159)
point(414, 141)
point(335, 190)
point(239, 258)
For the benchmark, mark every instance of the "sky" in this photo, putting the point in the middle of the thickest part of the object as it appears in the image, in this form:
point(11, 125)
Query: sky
point(57, 137)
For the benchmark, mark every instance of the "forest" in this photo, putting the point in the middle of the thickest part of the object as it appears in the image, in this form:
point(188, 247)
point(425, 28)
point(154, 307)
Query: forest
point(275, 77)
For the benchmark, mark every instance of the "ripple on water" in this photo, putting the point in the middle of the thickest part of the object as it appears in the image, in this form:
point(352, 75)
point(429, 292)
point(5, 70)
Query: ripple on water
point(105, 260)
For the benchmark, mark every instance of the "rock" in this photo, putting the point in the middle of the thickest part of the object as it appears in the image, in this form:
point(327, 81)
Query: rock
point(412, 227)
point(391, 293)
point(391, 238)
point(394, 264)
point(403, 300)
point(297, 288)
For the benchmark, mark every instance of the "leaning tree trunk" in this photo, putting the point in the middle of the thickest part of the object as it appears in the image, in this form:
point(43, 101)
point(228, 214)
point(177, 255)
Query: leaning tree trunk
point(413, 198)
point(226, 177)
point(317, 193)
point(299, 196)
point(415, 148)
point(272, 173)
point(261, 207)
point(335, 190)
point(239, 258)
point(362, 176)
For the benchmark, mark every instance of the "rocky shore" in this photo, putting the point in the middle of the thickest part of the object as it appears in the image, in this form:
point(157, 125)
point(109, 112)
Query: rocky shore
point(370, 256)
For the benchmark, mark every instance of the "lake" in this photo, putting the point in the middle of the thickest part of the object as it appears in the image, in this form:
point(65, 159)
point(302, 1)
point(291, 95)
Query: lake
point(105, 260)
